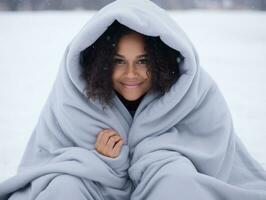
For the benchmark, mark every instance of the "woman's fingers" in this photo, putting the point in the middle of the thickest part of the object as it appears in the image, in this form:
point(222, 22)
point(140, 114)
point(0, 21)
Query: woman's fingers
point(108, 143)
point(99, 142)
point(103, 136)
point(117, 148)
point(112, 141)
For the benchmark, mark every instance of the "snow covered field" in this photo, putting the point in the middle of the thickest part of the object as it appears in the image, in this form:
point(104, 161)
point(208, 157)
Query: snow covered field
point(231, 45)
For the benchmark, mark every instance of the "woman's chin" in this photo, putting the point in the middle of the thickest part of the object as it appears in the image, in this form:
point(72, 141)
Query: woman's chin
point(131, 97)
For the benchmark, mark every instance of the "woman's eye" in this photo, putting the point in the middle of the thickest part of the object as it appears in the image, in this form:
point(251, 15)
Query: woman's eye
point(118, 61)
point(143, 61)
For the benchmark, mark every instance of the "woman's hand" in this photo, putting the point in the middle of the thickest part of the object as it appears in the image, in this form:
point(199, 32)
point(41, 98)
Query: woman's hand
point(109, 143)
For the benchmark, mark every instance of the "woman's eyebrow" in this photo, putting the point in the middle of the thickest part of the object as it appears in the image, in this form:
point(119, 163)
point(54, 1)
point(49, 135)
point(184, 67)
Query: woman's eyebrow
point(119, 55)
point(143, 55)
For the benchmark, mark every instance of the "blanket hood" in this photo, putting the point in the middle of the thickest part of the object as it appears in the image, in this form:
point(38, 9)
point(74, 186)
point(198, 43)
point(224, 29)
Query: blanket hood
point(143, 16)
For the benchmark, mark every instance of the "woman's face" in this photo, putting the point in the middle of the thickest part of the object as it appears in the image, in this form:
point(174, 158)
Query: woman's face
point(130, 73)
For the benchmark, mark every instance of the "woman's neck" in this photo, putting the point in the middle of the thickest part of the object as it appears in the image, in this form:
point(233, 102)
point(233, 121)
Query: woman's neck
point(130, 105)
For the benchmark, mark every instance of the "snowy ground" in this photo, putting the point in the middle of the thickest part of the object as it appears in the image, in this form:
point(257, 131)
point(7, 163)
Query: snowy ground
point(231, 45)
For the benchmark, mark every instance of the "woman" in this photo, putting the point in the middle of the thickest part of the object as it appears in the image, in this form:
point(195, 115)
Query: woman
point(133, 115)
point(128, 73)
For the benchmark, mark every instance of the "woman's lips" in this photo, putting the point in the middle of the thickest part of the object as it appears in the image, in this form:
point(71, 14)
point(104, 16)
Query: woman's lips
point(131, 85)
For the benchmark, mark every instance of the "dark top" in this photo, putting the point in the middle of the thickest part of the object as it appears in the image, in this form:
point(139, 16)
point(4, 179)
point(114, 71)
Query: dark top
point(130, 105)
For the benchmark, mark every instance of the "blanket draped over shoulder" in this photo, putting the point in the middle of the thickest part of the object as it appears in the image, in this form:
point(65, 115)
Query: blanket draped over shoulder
point(180, 145)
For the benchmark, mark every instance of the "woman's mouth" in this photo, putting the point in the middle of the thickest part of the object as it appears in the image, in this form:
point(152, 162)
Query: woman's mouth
point(130, 86)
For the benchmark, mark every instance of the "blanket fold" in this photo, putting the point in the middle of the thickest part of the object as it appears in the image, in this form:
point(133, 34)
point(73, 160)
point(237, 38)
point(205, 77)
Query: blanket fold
point(178, 145)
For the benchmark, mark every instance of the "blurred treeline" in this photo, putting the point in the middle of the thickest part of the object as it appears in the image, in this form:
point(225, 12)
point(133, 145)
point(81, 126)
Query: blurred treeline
point(15, 5)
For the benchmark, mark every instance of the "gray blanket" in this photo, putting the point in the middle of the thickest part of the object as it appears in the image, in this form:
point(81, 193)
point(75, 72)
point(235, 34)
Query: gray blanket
point(181, 145)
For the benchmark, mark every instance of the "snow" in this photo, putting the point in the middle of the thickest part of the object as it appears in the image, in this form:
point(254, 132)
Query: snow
point(231, 46)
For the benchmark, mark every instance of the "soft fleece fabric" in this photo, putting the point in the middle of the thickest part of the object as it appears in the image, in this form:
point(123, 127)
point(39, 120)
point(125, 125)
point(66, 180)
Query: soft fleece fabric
point(178, 146)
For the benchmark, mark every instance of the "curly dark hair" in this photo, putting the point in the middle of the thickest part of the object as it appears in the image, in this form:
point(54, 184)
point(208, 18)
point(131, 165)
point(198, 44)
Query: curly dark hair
point(97, 61)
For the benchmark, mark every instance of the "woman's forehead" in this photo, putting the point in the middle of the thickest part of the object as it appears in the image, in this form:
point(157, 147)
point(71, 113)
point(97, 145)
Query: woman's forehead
point(131, 44)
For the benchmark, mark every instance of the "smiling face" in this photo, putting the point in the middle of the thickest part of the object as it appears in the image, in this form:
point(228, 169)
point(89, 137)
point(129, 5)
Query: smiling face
point(130, 75)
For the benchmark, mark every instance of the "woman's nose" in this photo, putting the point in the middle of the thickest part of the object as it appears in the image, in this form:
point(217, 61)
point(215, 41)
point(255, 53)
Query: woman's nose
point(131, 70)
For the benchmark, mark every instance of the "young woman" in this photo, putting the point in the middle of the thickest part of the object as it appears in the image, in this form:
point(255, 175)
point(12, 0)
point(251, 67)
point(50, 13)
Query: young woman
point(136, 64)
point(133, 115)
